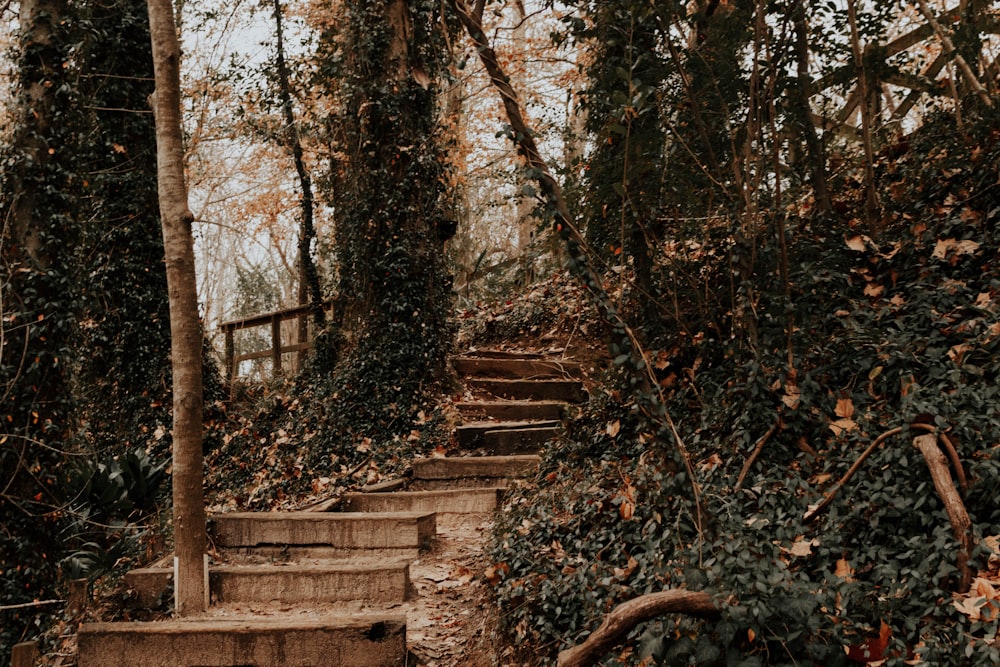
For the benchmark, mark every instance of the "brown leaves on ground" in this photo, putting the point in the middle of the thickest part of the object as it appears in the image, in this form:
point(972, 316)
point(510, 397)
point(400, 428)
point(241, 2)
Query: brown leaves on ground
point(846, 423)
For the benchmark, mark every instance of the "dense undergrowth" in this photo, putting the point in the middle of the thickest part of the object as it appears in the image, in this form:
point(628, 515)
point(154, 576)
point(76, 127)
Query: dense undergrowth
point(892, 325)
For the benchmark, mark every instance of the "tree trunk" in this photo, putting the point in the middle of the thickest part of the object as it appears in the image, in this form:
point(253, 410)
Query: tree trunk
point(185, 328)
point(308, 276)
point(800, 91)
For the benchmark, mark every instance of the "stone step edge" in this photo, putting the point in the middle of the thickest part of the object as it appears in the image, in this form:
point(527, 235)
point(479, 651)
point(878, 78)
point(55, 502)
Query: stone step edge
point(487, 425)
point(149, 584)
point(487, 498)
point(385, 530)
point(458, 467)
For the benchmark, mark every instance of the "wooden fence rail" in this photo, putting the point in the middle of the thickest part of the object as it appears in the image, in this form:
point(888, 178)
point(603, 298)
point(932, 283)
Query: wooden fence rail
point(274, 320)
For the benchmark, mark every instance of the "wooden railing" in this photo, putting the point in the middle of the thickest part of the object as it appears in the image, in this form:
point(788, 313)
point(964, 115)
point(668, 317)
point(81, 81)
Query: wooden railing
point(274, 320)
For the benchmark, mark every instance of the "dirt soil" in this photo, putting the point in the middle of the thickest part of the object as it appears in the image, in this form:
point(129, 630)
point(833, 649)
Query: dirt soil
point(450, 619)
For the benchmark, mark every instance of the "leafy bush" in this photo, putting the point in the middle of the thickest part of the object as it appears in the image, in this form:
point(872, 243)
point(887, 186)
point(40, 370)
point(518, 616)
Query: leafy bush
point(885, 332)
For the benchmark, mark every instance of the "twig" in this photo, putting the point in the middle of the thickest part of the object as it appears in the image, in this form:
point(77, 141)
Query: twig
point(356, 469)
point(27, 605)
point(755, 453)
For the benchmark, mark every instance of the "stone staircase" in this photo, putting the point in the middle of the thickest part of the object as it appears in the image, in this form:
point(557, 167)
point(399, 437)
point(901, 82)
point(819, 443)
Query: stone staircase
point(323, 587)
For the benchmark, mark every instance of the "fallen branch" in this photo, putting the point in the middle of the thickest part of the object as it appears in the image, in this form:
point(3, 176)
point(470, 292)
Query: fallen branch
point(928, 428)
point(957, 515)
point(828, 498)
point(623, 619)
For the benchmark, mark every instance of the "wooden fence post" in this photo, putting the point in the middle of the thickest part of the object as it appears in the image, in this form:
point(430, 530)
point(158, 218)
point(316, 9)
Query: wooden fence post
point(276, 344)
point(230, 353)
point(24, 654)
point(79, 592)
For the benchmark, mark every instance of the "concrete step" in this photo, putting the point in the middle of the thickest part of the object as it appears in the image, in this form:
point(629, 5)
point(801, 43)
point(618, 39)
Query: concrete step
point(516, 441)
point(371, 582)
point(324, 534)
point(383, 581)
point(445, 501)
point(506, 354)
point(490, 433)
point(458, 467)
point(570, 391)
point(513, 410)
point(514, 368)
point(337, 641)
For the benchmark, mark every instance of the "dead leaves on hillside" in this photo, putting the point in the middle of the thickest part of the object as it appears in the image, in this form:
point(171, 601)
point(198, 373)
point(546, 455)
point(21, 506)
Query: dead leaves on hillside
point(952, 249)
point(982, 601)
point(845, 412)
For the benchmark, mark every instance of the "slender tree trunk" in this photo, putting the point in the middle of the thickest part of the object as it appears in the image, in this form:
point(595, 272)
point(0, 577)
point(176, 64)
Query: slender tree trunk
point(800, 91)
point(308, 276)
point(185, 328)
point(864, 91)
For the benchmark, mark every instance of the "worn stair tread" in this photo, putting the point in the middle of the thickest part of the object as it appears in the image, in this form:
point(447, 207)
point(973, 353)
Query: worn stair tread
point(356, 640)
point(509, 410)
point(387, 580)
point(372, 582)
point(505, 354)
point(515, 368)
point(553, 389)
point(506, 438)
point(484, 426)
point(345, 530)
point(457, 467)
point(444, 501)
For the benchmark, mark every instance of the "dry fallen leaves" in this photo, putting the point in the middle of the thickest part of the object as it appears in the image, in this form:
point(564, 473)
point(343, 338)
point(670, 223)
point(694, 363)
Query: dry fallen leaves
point(844, 410)
point(955, 248)
point(496, 572)
point(981, 603)
point(627, 507)
point(801, 546)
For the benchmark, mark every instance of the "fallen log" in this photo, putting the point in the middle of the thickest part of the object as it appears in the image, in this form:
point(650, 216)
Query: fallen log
point(623, 618)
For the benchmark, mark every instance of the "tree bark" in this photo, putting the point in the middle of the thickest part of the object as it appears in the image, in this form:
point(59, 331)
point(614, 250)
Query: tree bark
point(623, 618)
point(185, 328)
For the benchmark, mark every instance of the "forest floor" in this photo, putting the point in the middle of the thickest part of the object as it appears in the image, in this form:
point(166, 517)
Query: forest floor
point(450, 618)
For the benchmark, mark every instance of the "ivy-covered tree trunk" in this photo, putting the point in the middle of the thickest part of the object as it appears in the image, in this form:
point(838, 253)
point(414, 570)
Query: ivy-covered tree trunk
point(38, 305)
point(190, 540)
point(127, 323)
point(623, 117)
point(394, 291)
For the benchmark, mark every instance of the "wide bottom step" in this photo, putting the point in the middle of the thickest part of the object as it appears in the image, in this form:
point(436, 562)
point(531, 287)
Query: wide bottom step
point(334, 641)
